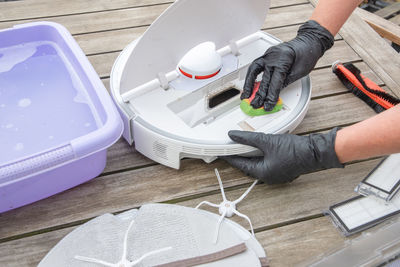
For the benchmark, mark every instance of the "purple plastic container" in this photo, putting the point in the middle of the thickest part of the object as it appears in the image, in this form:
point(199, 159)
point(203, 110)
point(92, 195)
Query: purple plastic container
point(56, 118)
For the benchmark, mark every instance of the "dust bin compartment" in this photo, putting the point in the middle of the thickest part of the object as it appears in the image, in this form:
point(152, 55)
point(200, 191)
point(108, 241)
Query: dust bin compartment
point(56, 118)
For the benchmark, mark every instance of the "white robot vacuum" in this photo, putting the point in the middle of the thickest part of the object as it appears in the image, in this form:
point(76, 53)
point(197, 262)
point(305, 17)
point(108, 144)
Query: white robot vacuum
point(178, 86)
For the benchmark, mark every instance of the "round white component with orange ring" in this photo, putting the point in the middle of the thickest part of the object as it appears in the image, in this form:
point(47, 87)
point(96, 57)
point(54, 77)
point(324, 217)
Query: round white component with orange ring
point(201, 62)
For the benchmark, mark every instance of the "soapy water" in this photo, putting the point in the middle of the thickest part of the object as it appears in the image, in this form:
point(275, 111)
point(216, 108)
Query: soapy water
point(19, 146)
point(46, 108)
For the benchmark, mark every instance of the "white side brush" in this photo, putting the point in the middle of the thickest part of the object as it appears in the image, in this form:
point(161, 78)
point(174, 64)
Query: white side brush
point(228, 208)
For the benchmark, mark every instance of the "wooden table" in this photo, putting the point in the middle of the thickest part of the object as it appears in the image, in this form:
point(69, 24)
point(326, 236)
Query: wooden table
point(288, 219)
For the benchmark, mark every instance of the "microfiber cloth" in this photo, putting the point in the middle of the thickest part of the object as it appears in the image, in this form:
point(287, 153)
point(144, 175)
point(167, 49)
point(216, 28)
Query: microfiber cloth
point(157, 235)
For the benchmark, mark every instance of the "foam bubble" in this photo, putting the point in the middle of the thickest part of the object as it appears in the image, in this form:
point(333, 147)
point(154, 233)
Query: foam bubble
point(24, 102)
point(14, 55)
point(19, 146)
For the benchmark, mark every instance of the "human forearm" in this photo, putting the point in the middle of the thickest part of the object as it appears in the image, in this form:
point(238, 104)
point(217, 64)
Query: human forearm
point(332, 14)
point(376, 136)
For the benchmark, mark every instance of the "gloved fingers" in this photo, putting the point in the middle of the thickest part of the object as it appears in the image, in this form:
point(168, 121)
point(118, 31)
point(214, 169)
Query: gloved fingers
point(254, 139)
point(254, 69)
point(275, 86)
point(262, 92)
point(298, 73)
point(250, 166)
point(291, 78)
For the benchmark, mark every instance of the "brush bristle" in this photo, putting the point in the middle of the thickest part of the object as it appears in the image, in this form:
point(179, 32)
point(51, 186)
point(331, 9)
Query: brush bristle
point(360, 94)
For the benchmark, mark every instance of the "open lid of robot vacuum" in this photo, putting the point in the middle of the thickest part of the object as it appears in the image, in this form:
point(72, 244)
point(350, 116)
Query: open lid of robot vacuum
point(184, 25)
point(179, 85)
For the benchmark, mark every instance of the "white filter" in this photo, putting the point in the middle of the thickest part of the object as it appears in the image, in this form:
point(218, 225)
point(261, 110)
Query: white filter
point(359, 213)
point(384, 180)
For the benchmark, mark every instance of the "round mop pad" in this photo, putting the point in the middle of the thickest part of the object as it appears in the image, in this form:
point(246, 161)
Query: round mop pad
point(249, 110)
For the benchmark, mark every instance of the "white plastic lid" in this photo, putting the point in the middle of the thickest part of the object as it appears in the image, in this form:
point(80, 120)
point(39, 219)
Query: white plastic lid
point(184, 25)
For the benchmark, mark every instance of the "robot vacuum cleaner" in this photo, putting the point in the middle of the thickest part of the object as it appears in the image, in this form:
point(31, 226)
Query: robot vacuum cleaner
point(178, 86)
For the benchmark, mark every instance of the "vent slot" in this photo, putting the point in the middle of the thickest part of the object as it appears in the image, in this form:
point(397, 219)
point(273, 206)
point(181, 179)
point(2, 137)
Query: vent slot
point(222, 97)
point(160, 150)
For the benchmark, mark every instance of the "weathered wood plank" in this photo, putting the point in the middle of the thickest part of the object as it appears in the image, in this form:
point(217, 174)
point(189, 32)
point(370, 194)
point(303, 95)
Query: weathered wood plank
point(30, 9)
point(332, 111)
point(103, 21)
point(103, 63)
point(290, 15)
point(301, 242)
point(395, 19)
point(110, 40)
point(122, 156)
point(281, 3)
point(388, 11)
point(29, 251)
point(383, 27)
point(287, 33)
point(340, 51)
point(266, 206)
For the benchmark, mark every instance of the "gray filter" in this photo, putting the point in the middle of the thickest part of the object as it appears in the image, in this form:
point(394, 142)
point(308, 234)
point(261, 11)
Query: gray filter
point(384, 181)
point(379, 203)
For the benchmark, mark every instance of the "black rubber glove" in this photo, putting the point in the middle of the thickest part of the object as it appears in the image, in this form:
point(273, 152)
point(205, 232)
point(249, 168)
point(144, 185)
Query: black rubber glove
point(285, 63)
point(286, 156)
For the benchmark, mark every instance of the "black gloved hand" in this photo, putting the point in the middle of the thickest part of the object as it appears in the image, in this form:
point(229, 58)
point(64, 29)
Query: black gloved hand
point(286, 156)
point(285, 63)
